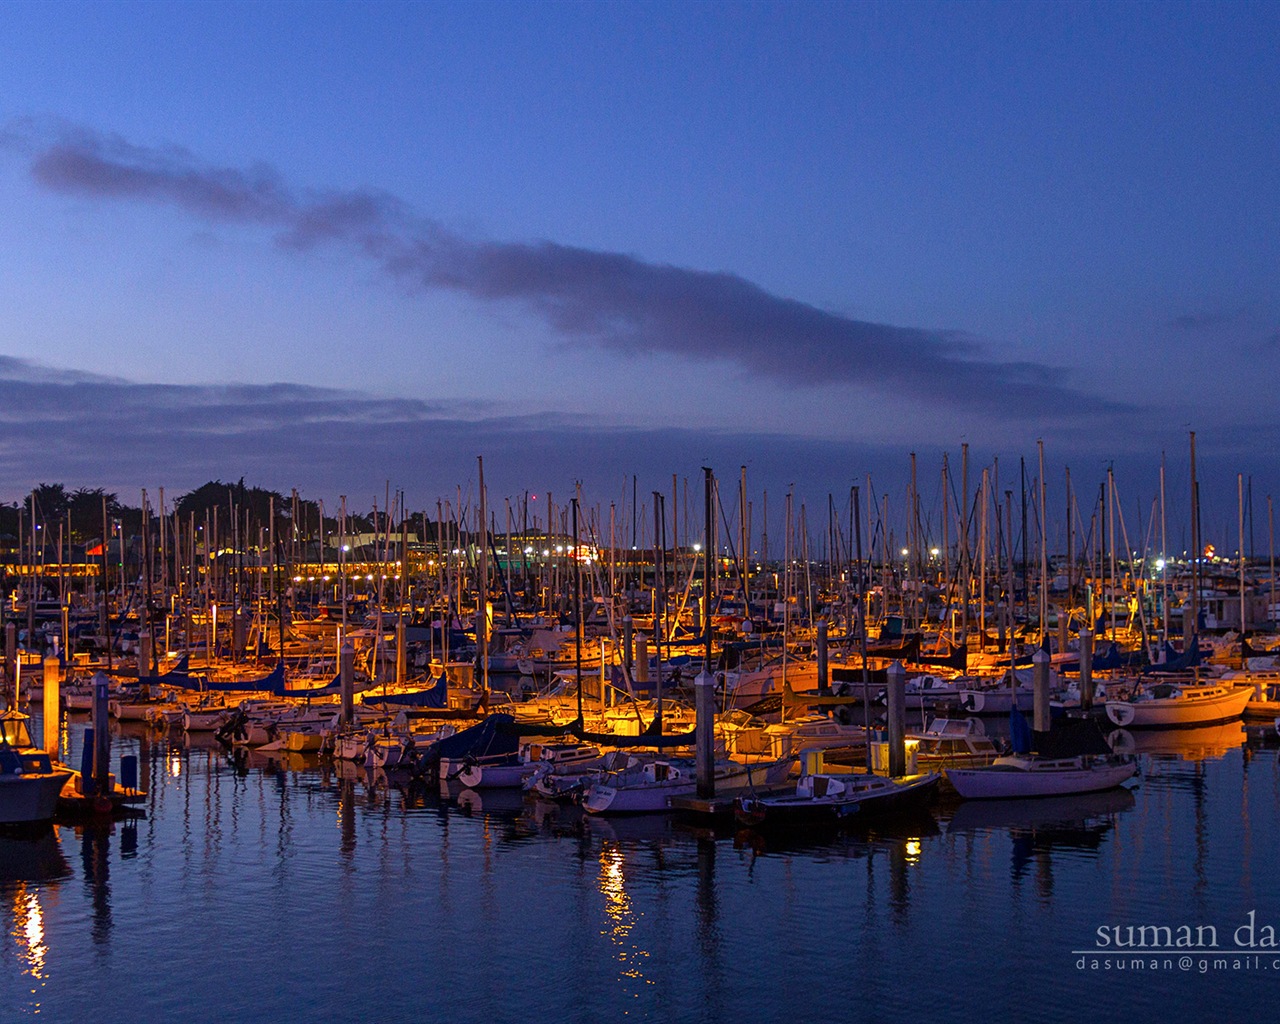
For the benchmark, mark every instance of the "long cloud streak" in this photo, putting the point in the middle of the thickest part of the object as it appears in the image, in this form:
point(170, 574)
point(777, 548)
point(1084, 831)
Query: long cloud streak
point(90, 431)
point(613, 301)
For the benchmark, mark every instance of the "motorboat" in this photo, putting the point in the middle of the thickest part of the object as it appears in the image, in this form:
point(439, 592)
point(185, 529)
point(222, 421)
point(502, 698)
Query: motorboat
point(953, 743)
point(650, 788)
point(828, 797)
point(29, 780)
point(511, 771)
point(1171, 705)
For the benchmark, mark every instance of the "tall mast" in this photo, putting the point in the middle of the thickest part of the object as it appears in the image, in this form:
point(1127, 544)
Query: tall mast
point(482, 586)
point(1044, 555)
point(1244, 644)
point(1195, 551)
point(1164, 567)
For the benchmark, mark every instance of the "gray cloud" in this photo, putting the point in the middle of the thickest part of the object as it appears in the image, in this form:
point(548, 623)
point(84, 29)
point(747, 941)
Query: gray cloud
point(612, 301)
point(89, 431)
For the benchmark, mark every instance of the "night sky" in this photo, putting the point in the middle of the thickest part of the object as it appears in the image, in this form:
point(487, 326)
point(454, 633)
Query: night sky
point(336, 246)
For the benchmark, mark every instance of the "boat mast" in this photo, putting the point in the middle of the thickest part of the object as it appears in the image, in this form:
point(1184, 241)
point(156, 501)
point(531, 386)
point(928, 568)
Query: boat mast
point(1195, 555)
point(482, 586)
point(964, 569)
point(742, 544)
point(1111, 542)
point(659, 595)
point(786, 599)
point(1044, 555)
point(982, 560)
point(1271, 542)
point(862, 631)
point(1164, 569)
point(1244, 643)
point(946, 551)
point(577, 610)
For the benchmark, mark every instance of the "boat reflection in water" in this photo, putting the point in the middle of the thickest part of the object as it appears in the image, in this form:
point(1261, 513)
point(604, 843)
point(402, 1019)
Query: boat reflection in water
point(904, 829)
point(1039, 827)
point(1207, 741)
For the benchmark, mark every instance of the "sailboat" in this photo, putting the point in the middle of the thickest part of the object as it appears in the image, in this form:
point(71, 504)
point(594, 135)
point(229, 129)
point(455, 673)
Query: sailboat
point(1075, 760)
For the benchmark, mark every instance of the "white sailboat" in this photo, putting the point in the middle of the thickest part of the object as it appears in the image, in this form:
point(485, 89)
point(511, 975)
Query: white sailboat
point(1025, 775)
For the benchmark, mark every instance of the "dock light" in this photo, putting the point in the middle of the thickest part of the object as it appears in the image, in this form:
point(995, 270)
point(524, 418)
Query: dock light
point(934, 552)
point(528, 551)
point(905, 552)
point(369, 577)
point(697, 547)
point(545, 552)
point(346, 547)
point(1159, 565)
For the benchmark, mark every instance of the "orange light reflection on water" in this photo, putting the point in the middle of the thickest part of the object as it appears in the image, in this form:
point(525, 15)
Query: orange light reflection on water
point(622, 917)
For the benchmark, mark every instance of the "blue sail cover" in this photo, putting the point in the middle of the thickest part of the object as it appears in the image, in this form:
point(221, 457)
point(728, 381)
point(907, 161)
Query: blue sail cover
point(1175, 662)
point(1019, 731)
point(435, 696)
point(497, 734)
point(189, 682)
point(179, 670)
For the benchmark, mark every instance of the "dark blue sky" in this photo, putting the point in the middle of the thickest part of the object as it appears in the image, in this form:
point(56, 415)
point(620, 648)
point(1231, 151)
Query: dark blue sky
point(327, 245)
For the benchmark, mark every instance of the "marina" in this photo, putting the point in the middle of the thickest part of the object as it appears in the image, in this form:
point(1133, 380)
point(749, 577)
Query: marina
point(747, 512)
point(346, 897)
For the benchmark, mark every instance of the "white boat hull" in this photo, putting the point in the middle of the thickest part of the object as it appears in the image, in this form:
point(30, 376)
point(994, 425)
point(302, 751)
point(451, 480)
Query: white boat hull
point(619, 795)
point(1180, 712)
point(1002, 781)
point(994, 702)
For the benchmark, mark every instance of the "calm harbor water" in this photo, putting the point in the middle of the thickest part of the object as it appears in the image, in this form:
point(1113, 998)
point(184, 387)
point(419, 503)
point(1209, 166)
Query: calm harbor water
point(269, 889)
